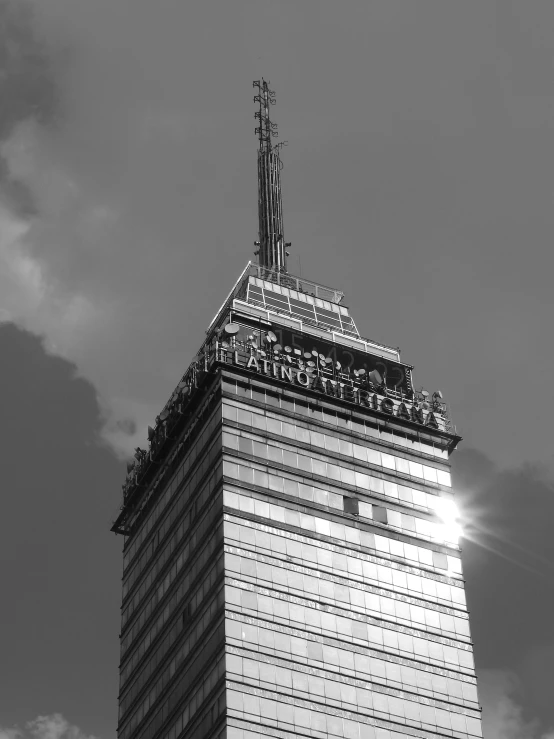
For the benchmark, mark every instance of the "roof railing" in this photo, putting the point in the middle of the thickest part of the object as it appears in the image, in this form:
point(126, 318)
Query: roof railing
point(296, 283)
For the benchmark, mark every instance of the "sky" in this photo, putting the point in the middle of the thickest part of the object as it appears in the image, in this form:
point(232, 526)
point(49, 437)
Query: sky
point(419, 179)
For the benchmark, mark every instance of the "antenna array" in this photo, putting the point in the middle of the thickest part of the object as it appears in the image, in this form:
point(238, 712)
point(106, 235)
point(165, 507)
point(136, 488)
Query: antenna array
point(271, 245)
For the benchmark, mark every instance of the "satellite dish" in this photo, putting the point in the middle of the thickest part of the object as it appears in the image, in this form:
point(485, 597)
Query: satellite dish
point(130, 467)
point(322, 358)
point(311, 363)
point(425, 405)
point(437, 394)
point(288, 349)
point(297, 352)
point(271, 336)
point(225, 344)
point(277, 348)
point(151, 433)
point(254, 344)
point(262, 353)
point(185, 390)
point(232, 328)
point(361, 372)
point(307, 355)
point(356, 373)
point(375, 377)
point(338, 366)
point(164, 415)
point(314, 352)
point(425, 393)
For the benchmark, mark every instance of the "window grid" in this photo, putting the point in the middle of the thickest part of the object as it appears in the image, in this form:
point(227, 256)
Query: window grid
point(330, 683)
point(416, 441)
point(335, 446)
point(383, 579)
point(134, 542)
point(410, 525)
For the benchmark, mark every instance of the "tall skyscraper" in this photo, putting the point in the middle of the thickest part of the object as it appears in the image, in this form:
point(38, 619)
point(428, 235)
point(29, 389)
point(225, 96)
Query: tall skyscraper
point(291, 560)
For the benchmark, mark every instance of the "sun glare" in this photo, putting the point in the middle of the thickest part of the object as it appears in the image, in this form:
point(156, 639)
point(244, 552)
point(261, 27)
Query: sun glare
point(449, 513)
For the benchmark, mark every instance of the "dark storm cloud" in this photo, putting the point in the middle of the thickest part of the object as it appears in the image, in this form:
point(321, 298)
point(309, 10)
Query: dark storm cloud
point(509, 568)
point(59, 570)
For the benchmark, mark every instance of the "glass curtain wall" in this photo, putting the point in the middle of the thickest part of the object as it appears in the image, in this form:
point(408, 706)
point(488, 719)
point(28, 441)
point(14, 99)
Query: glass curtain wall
point(345, 609)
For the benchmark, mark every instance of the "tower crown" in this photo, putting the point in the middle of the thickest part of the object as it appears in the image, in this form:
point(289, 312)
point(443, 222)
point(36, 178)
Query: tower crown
point(271, 244)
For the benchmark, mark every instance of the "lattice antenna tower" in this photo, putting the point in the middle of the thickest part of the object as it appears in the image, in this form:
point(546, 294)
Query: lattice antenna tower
point(272, 253)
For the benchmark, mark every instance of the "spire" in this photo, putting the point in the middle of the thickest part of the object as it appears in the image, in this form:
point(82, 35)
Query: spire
point(271, 245)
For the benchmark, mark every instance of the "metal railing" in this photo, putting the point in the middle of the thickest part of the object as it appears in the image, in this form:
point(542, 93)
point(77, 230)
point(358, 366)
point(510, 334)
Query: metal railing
point(285, 279)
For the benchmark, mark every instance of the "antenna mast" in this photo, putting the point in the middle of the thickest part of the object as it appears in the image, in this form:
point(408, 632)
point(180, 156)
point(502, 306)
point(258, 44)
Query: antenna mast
point(271, 245)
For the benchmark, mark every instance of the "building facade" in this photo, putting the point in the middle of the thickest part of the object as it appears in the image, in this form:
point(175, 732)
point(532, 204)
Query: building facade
point(291, 564)
point(291, 558)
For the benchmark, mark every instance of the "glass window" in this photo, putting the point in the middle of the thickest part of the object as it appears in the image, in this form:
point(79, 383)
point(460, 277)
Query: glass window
point(289, 458)
point(245, 445)
point(304, 463)
point(287, 404)
point(345, 447)
point(246, 474)
point(244, 417)
point(319, 467)
point(229, 412)
point(258, 395)
point(291, 487)
point(288, 430)
point(343, 421)
point(316, 412)
point(258, 421)
point(402, 465)
point(317, 439)
point(302, 435)
point(387, 460)
point(272, 399)
point(430, 473)
point(331, 443)
point(320, 496)
point(301, 408)
point(243, 390)
point(261, 479)
point(274, 426)
point(259, 449)
point(416, 470)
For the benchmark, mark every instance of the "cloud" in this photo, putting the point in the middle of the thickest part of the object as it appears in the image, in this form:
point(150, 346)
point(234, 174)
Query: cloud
point(10, 733)
point(500, 693)
point(54, 726)
point(508, 556)
point(65, 271)
point(128, 204)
